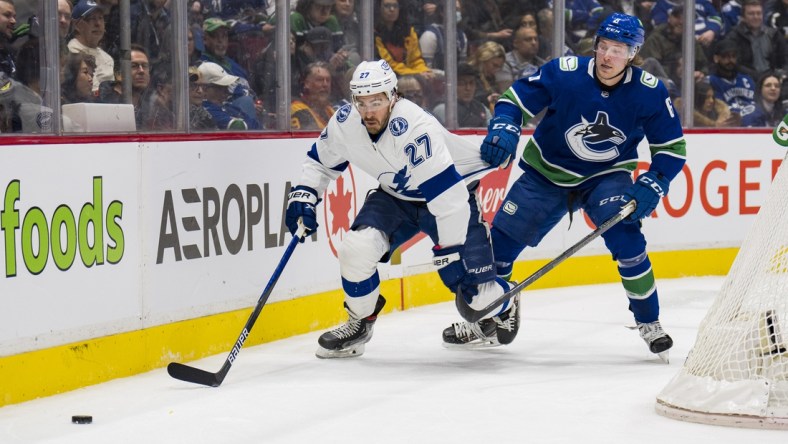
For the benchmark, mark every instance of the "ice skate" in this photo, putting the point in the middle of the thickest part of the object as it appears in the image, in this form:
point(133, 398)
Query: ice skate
point(507, 324)
point(471, 335)
point(498, 330)
point(347, 340)
point(657, 340)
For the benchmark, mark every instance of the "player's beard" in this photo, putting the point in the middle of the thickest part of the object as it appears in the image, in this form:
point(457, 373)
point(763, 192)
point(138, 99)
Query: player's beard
point(374, 125)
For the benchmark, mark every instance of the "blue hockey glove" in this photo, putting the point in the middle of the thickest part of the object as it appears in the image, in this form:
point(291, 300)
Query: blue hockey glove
point(647, 190)
point(452, 270)
point(500, 145)
point(301, 204)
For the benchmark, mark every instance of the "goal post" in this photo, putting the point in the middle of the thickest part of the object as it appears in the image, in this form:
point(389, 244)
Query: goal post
point(737, 372)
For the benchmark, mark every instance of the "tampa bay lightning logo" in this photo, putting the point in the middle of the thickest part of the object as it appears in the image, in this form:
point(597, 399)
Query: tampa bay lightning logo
point(595, 141)
point(398, 126)
point(343, 113)
point(398, 183)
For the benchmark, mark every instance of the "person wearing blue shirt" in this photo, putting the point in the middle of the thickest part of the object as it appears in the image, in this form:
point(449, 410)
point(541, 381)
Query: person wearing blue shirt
point(581, 156)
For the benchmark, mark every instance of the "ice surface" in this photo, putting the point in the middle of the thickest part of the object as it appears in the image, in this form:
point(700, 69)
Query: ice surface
point(574, 375)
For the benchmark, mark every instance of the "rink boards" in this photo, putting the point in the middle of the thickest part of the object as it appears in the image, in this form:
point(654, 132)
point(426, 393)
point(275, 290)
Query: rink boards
point(121, 257)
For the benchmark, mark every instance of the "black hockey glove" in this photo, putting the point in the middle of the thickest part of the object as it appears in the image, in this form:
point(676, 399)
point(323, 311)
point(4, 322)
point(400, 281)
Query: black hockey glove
point(500, 145)
point(647, 190)
point(452, 270)
point(301, 204)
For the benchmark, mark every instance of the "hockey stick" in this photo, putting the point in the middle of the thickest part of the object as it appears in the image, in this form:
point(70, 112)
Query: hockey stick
point(197, 376)
point(471, 315)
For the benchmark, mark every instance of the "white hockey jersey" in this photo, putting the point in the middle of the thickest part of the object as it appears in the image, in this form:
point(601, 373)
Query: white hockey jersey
point(414, 158)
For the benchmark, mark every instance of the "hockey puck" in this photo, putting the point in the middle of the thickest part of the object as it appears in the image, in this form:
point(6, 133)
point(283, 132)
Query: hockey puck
point(81, 419)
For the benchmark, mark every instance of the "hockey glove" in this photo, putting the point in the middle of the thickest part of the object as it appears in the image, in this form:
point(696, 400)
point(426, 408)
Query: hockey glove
point(647, 190)
point(20, 31)
point(452, 270)
point(500, 145)
point(301, 204)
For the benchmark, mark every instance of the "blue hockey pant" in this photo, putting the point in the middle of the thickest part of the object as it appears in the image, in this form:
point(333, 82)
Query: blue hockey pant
point(534, 206)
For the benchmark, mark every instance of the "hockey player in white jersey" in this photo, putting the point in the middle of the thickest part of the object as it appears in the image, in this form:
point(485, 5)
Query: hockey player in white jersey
point(427, 179)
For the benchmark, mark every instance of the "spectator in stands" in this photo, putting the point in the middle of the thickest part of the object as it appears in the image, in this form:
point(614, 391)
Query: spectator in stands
point(709, 111)
point(483, 21)
point(161, 116)
point(311, 13)
point(760, 48)
point(313, 109)
point(515, 10)
point(28, 59)
point(731, 86)
point(77, 85)
point(345, 13)
point(528, 20)
point(731, 15)
point(216, 38)
point(471, 113)
point(410, 88)
point(317, 46)
point(488, 59)
point(433, 41)
point(199, 117)
point(150, 27)
point(544, 17)
point(196, 19)
point(218, 99)
point(64, 10)
point(769, 109)
point(111, 41)
point(584, 15)
point(642, 10)
point(266, 82)
point(522, 60)
point(194, 54)
point(140, 86)
point(664, 45)
point(396, 41)
point(7, 25)
point(708, 23)
point(88, 21)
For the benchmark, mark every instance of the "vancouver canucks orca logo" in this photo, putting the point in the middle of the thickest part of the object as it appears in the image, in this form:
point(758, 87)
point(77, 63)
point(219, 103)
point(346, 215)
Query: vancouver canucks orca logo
point(595, 141)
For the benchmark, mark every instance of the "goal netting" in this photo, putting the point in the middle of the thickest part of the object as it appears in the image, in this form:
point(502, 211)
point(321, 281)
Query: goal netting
point(737, 372)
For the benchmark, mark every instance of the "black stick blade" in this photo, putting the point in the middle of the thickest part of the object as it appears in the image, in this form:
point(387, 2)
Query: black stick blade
point(195, 375)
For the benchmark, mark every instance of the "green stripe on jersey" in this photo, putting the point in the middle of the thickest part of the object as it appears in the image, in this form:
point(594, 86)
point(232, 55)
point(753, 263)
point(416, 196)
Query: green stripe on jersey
point(562, 176)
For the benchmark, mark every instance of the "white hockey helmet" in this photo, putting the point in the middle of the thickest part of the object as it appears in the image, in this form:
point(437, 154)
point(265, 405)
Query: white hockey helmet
point(372, 78)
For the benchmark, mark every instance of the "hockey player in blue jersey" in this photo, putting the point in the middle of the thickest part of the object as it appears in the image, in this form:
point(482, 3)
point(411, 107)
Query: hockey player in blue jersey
point(427, 176)
point(582, 154)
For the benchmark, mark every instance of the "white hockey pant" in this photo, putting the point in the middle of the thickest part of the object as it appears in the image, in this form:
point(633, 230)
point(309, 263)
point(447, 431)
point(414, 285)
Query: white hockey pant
point(359, 255)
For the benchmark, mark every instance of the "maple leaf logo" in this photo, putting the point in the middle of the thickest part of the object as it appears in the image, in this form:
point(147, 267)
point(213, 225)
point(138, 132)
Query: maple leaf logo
point(340, 208)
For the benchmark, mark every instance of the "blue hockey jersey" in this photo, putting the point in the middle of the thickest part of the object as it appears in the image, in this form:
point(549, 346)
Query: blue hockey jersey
point(588, 131)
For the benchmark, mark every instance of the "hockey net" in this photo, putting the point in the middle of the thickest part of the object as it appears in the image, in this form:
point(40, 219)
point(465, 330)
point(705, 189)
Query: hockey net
point(737, 372)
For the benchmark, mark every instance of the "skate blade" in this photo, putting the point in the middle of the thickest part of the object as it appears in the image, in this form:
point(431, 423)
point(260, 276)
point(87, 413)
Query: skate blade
point(350, 352)
point(664, 356)
point(475, 345)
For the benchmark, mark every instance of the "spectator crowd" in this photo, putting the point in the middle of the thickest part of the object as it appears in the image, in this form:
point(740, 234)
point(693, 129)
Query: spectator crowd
point(741, 57)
